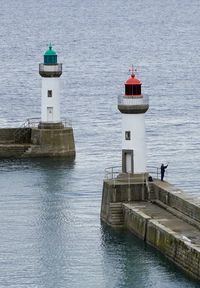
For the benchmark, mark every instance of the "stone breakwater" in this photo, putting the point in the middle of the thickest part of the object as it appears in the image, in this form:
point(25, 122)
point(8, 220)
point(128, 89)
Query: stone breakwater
point(37, 142)
point(160, 214)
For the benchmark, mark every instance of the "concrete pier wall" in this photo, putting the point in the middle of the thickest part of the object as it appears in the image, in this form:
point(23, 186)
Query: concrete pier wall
point(135, 222)
point(15, 135)
point(176, 199)
point(35, 142)
point(161, 215)
point(52, 142)
point(185, 254)
point(171, 243)
point(117, 191)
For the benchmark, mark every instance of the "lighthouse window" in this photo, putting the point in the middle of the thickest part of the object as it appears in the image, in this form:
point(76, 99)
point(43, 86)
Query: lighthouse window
point(133, 90)
point(49, 93)
point(127, 135)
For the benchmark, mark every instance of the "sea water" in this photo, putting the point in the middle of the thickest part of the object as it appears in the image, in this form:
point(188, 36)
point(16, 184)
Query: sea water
point(50, 229)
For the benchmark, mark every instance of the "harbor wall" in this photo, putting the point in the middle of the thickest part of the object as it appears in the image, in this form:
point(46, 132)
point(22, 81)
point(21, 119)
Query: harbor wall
point(184, 252)
point(52, 142)
point(37, 142)
point(175, 198)
point(114, 194)
point(15, 135)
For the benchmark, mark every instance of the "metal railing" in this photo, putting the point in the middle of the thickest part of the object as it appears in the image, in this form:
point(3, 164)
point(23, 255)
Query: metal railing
point(33, 122)
point(21, 131)
point(114, 171)
point(154, 171)
point(66, 122)
point(133, 100)
point(50, 68)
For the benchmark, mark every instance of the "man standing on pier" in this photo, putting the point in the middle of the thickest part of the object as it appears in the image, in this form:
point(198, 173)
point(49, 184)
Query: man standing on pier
point(162, 171)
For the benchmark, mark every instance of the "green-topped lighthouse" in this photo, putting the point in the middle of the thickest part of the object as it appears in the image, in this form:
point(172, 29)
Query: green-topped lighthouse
point(50, 71)
point(53, 136)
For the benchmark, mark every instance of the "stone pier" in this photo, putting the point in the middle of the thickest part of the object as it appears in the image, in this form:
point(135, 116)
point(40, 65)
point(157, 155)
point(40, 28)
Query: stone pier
point(48, 141)
point(159, 213)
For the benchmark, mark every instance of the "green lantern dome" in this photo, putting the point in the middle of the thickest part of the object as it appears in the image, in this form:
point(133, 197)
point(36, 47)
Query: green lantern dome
point(50, 56)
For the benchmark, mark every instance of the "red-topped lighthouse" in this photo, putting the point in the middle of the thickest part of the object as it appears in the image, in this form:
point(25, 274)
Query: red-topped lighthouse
point(133, 106)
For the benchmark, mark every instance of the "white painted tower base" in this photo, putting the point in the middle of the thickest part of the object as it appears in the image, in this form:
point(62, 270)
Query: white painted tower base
point(134, 150)
point(133, 106)
point(50, 71)
point(50, 105)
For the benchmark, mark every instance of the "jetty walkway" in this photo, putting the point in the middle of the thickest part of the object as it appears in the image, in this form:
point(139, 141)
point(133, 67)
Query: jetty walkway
point(157, 212)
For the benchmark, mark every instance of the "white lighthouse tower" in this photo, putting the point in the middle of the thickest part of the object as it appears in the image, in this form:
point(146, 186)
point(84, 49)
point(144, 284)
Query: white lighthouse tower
point(133, 106)
point(50, 71)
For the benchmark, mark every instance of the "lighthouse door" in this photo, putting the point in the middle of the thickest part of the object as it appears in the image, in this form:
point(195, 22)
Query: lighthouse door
point(127, 161)
point(49, 114)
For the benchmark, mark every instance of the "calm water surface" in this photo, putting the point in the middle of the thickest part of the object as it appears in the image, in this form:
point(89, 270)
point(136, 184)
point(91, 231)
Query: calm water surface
point(51, 235)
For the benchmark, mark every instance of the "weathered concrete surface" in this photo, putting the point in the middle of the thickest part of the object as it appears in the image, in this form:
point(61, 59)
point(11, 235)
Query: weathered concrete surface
point(117, 191)
point(160, 214)
point(13, 150)
point(15, 135)
point(34, 142)
point(174, 237)
point(52, 142)
point(173, 197)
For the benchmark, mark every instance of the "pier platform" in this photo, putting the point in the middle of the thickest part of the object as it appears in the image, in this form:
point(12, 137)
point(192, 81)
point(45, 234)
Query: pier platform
point(34, 139)
point(157, 212)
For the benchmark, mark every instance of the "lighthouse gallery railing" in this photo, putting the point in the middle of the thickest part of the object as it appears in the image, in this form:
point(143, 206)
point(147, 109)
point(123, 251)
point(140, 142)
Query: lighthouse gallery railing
point(133, 100)
point(50, 68)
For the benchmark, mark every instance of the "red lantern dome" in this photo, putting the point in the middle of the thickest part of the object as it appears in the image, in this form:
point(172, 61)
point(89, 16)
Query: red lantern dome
point(133, 85)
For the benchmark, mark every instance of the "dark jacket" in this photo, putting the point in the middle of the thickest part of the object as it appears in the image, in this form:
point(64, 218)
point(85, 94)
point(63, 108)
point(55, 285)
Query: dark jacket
point(162, 168)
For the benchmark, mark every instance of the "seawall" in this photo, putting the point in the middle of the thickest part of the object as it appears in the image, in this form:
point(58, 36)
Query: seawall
point(160, 214)
point(37, 142)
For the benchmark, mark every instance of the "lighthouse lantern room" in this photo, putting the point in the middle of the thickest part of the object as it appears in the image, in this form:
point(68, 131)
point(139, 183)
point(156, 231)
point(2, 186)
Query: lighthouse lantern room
point(50, 71)
point(133, 105)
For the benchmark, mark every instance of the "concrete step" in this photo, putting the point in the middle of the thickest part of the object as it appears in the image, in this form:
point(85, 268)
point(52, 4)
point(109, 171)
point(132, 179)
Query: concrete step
point(119, 215)
point(116, 214)
point(116, 209)
point(117, 218)
point(118, 226)
point(116, 205)
point(116, 222)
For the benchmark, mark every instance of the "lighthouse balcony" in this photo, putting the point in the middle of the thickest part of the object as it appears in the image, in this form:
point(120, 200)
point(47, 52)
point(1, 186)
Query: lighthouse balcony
point(50, 70)
point(133, 104)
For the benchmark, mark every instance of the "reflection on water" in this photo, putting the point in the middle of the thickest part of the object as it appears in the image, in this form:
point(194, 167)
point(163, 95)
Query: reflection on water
point(56, 164)
point(52, 226)
point(136, 263)
point(52, 236)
